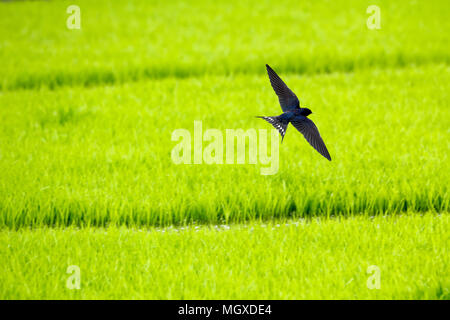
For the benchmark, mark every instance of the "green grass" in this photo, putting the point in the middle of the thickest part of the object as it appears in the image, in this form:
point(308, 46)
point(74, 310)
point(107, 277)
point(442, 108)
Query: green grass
point(302, 261)
point(86, 118)
point(103, 155)
point(124, 41)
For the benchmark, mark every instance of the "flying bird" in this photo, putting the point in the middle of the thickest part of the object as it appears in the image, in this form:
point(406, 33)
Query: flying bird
point(292, 113)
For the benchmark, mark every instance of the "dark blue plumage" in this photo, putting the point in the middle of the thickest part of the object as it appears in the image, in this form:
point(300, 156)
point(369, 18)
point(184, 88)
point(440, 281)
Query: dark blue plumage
point(292, 113)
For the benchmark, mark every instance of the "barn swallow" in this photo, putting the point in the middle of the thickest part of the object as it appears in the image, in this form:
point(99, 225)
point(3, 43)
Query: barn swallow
point(292, 113)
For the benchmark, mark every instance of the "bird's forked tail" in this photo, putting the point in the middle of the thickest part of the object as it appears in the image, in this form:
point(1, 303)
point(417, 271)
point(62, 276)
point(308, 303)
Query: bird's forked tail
point(280, 125)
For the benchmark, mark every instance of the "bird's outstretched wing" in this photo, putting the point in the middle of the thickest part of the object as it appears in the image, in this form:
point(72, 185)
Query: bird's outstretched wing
point(312, 135)
point(288, 99)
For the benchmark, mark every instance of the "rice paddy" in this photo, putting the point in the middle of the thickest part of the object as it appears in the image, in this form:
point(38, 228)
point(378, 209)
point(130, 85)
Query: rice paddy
point(87, 176)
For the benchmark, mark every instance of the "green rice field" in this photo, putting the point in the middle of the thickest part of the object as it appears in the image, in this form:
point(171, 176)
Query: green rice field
point(87, 175)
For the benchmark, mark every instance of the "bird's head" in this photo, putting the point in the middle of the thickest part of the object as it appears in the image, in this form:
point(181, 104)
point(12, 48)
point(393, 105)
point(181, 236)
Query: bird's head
point(306, 112)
